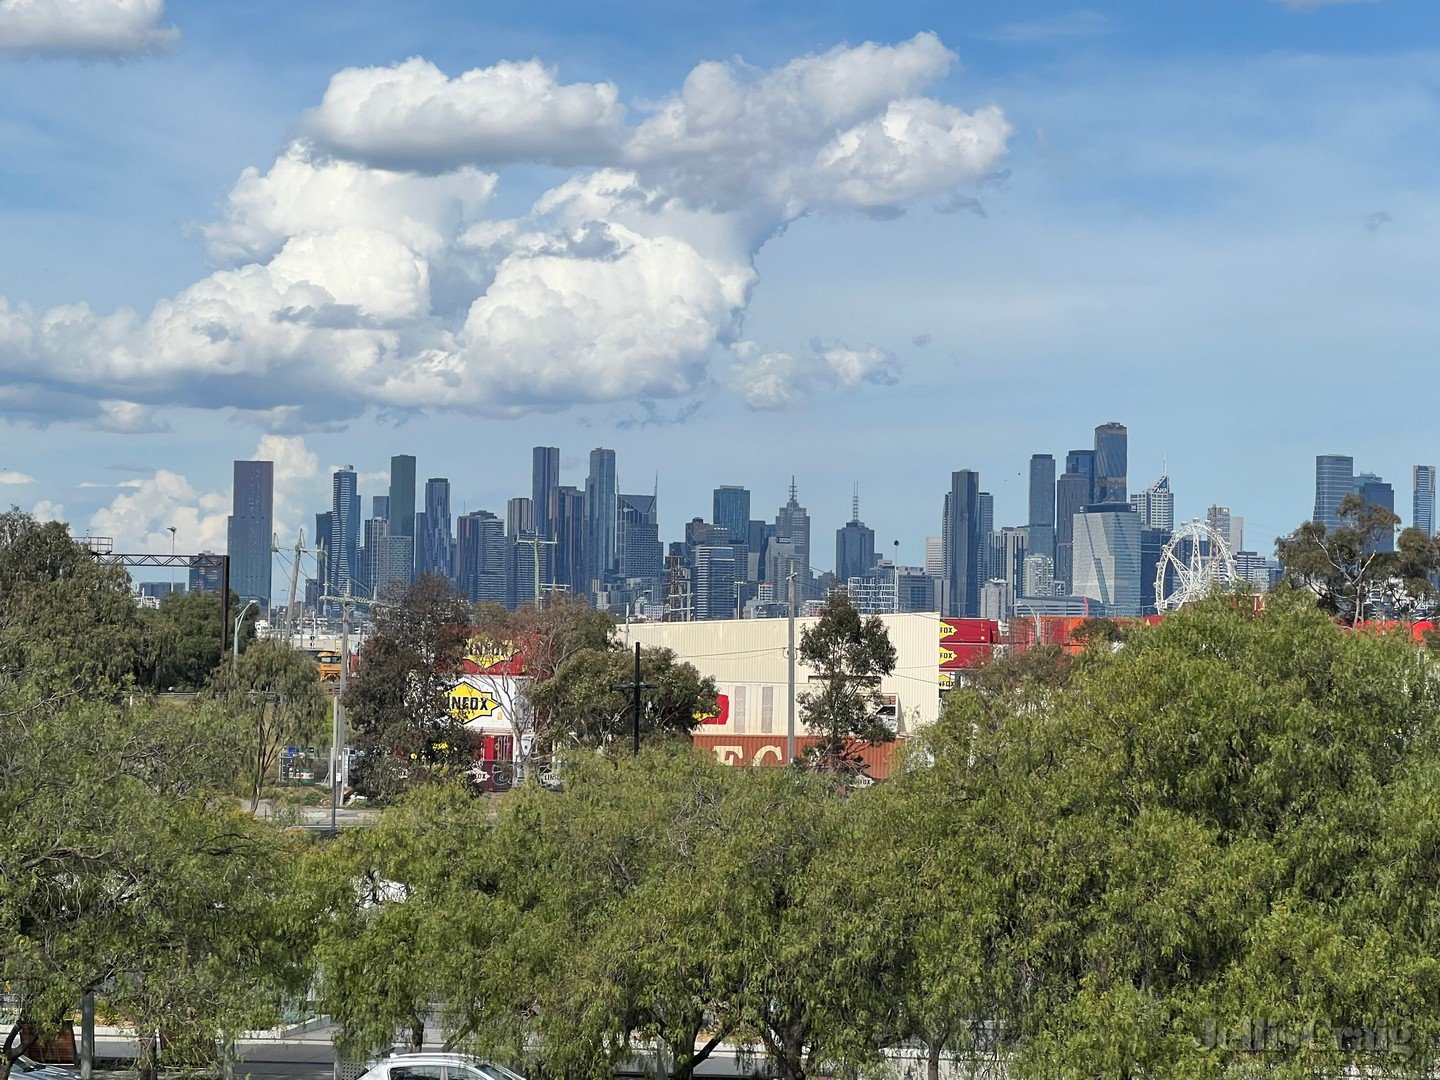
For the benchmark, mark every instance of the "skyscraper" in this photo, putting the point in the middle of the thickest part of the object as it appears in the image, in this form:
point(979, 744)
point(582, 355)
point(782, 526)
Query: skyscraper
point(601, 516)
point(1072, 494)
point(792, 526)
point(963, 569)
point(714, 581)
point(1008, 548)
point(322, 550)
point(481, 554)
point(569, 520)
point(732, 512)
point(521, 574)
point(251, 530)
point(204, 574)
point(1111, 463)
point(641, 556)
point(1082, 463)
point(934, 556)
point(1156, 505)
point(1422, 507)
point(987, 513)
point(1334, 479)
point(1376, 492)
point(435, 552)
point(1039, 576)
point(385, 561)
point(1218, 518)
point(1042, 505)
point(545, 478)
point(519, 517)
point(1107, 557)
point(343, 563)
point(854, 546)
point(1152, 547)
point(400, 512)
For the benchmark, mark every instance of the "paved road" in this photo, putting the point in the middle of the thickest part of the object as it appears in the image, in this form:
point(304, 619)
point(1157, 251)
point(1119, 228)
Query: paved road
point(301, 1056)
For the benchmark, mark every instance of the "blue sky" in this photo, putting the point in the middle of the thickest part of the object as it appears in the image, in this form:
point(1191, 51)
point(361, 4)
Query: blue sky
point(1213, 221)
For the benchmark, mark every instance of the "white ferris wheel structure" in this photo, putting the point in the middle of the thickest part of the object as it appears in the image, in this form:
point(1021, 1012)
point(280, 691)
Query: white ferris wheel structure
point(1194, 563)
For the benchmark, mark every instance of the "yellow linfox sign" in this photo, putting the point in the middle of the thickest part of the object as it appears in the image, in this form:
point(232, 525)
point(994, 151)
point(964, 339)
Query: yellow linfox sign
point(467, 703)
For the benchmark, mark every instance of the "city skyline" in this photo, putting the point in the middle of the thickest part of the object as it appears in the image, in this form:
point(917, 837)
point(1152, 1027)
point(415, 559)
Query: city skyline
point(375, 487)
point(1088, 250)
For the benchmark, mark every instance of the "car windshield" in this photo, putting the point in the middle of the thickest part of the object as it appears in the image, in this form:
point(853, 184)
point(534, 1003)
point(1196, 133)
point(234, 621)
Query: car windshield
point(500, 1072)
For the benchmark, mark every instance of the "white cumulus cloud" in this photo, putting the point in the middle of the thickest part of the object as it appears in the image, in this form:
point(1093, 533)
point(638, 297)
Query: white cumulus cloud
point(139, 518)
point(412, 116)
point(364, 268)
point(129, 418)
point(780, 380)
point(83, 28)
point(12, 478)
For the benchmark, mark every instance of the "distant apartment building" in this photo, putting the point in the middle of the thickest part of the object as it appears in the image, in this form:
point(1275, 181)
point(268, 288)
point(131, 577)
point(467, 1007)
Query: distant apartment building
point(1334, 479)
point(1041, 525)
point(965, 534)
point(251, 531)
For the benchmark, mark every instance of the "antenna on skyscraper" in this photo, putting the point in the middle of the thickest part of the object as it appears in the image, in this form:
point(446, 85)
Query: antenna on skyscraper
point(855, 503)
point(792, 487)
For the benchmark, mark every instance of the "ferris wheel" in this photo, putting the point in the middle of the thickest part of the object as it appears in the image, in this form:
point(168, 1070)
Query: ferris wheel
point(1194, 563)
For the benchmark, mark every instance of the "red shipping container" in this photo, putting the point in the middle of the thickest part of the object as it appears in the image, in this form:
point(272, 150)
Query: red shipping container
point(969, 630)
point(770, 750)
point(964, 655)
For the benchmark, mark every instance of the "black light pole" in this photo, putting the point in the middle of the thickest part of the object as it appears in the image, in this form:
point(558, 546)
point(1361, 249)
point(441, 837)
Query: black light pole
point(636, 686)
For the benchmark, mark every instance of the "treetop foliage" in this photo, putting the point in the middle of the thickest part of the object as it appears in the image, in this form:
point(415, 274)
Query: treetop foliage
point(126, 870)
point(1114, 863)
point(1350, 573)
point(849, 654)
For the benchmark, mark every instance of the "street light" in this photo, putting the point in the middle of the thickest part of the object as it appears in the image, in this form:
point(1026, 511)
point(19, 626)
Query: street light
point(172, 557)
point(238, 620)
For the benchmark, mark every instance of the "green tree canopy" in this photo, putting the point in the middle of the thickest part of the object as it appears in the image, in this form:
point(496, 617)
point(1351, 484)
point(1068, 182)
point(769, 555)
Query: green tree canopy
point(1350, 570)
point(126, 872)
point(664, 899)
point(583, 704)
point(275, 695)
point(849, 653)
point(1199, 830)
point(397, 704)
point(185, 632)
point(65, 620)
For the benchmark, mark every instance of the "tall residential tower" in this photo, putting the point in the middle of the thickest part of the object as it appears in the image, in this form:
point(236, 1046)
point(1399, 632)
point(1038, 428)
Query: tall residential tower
point(251, 530)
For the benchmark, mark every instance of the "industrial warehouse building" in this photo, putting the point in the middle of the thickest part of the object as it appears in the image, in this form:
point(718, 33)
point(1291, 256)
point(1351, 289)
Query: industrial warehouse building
point(747, 659)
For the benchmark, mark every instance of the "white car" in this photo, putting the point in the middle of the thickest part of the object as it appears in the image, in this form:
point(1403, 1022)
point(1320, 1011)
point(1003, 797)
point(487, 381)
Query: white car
point(437, 1067)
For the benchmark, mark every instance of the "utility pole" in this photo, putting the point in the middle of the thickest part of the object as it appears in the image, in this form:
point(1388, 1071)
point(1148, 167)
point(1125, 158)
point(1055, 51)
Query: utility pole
point(87, 1035)
point(535, 544)
point(636, 686)
point(337, 779)
point(294, 588)
point(790, 716)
